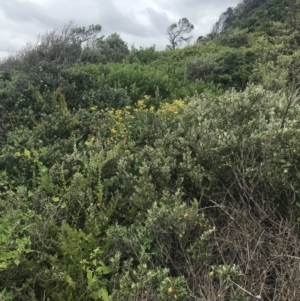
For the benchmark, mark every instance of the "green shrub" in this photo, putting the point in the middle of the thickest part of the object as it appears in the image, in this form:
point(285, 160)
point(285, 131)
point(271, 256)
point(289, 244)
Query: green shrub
point(201, 68)
point(235, 38)
point(172, 235)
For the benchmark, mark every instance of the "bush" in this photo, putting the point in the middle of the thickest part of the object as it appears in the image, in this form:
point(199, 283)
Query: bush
point(201, 68)
point(235, 38)
point(172, 235)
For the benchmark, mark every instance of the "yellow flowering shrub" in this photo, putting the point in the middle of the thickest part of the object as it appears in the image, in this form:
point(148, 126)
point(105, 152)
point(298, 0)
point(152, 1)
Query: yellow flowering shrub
point(174, 108)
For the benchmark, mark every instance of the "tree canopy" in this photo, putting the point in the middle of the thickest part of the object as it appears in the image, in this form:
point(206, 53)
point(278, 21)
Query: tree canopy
point(176, 33)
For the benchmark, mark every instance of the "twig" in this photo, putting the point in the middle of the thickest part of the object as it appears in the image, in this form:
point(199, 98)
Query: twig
point(244, 290)
point(221, 207)
point(289, 256)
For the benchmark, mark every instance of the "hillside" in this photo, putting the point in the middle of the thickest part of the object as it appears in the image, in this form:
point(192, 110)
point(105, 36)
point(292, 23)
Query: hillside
point(136, 174)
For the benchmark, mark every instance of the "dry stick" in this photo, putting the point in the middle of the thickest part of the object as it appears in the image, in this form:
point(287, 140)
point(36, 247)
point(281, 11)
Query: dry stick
point(242, 288)
point(244, 187)
point(188, 261)
point(222, 208)
point(251, 257)
point(289, 256)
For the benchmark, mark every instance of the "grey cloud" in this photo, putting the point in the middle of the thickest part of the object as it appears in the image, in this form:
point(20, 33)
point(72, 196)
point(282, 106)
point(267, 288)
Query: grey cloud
point(24, 11)
point(122, 24)
point(203, 14)
point(159, 20)
point(142, 23)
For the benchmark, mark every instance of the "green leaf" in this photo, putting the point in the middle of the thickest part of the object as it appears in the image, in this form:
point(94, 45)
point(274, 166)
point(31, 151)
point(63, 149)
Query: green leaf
point(103, 270)
point(55, 199)
point(89, 275)
point(17, 154)
point(3, 265)
point(27, 153)
point(102, 293)
point(44, 168)
point(63, 205)
point(70, 281)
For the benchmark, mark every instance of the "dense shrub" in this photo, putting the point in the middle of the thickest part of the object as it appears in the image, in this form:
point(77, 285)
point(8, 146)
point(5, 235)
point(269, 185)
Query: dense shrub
point(235, 38)
point(166, 178)
point(201, 68)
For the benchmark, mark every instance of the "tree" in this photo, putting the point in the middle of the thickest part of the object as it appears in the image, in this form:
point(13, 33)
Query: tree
point(176, 33)
point(105, 50)
point(114, 48)
point(66, 46)
point(63, 46)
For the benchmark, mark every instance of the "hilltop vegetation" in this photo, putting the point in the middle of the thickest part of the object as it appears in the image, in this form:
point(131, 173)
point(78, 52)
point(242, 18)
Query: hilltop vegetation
point(136, 174)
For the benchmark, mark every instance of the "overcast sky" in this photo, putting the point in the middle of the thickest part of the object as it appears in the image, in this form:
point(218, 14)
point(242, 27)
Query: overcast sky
point(139, 22)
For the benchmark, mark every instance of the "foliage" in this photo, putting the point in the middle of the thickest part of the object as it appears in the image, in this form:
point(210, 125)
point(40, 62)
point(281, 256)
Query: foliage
point(61, 47)
point(111, 49)
point(232, 68)
point(154, 253)
point(152, 175)
point(235, 38)
point(201, 68)
point(143, 55)
point(140, 80)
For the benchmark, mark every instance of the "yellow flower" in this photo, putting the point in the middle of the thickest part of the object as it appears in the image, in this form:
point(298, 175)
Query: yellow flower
point(179, 103)
point(186, 215)
point(211, 273)
point(89, 141)
point(170, 289)
point(113, 130)
point(94, 108)
point(133, 285)
point(140, 103)
point(175, 297)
